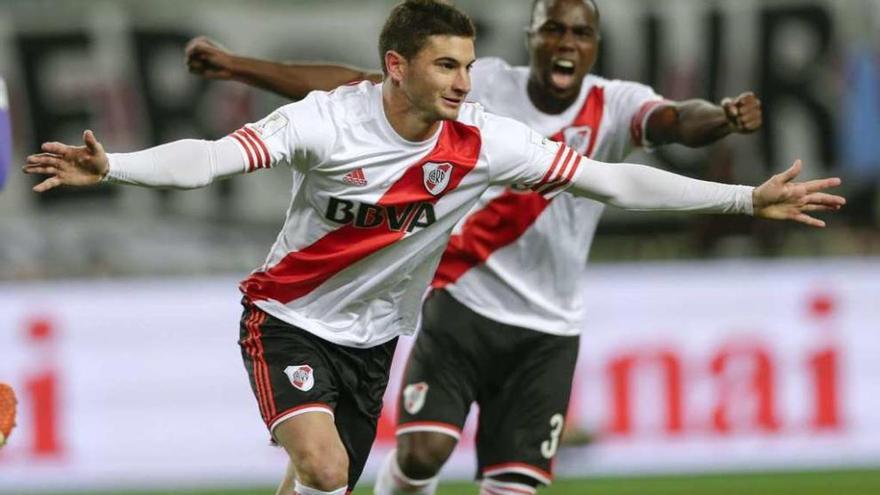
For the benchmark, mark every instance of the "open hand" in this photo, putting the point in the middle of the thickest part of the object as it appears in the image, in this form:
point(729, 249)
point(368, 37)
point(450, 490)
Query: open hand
point(781, 199)
point(69, 165)
point(743, 112)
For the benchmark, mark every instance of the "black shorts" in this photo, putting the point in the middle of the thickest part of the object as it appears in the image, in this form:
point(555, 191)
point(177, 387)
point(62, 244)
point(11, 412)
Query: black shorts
point(292, 372)
point(520, 378)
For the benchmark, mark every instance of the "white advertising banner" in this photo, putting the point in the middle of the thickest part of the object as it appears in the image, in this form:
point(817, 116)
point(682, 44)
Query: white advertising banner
point(683, 367)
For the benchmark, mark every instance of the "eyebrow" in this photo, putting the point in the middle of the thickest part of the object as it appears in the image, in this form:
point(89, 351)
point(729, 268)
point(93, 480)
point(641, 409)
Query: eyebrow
point(453, 60)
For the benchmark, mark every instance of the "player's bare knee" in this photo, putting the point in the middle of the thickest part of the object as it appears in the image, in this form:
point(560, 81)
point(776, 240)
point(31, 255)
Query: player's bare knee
point(323, 469)
point(420, 455)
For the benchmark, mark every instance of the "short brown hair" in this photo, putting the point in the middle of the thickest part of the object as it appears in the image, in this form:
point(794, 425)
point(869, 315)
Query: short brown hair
point(411, 22)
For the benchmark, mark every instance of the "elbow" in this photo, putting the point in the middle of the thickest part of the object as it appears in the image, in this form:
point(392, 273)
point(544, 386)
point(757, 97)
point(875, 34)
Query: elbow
point(189, 182)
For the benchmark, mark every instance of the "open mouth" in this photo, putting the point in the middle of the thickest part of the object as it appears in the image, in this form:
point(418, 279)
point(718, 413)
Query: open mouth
point(562, 73)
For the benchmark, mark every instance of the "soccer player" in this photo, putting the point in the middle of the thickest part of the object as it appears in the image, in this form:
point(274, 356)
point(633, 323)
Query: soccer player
point(381, 175)
point(523, 322)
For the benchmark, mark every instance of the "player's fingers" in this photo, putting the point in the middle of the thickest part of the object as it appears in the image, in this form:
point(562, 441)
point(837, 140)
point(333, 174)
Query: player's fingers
point(47, 184)
point(56, 148)
point(730, 108)
point(791, 172)
point(824, 199)
point(808, 220)
point(195, 66)
point(40, 169)
point(752, 123)
point(39, 157)
point(44, 159)
point(749, 110)
point(92, 142)
point(813, 207)
point(89, 139)
point(816, 185)
point(196, 44)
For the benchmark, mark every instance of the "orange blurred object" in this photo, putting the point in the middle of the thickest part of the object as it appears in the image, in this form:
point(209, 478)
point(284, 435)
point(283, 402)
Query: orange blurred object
point(8, 405)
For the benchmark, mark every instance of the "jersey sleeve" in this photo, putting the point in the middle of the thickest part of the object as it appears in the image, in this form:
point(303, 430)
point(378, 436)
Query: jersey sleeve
point(522, 158)
point(299, 134)
point(629, 106)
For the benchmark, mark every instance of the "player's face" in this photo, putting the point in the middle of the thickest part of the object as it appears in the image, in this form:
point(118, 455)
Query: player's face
point(437, 77)
point(563, 44)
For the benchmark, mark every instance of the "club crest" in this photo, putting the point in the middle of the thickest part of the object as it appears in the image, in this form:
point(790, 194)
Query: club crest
point(578, 138)
point(436, 176)
point(302, 377)
point(414, 397)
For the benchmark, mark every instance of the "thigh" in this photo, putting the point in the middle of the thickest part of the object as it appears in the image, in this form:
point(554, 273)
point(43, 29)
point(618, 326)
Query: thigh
point(313, 444)
point(522, 419)
point(442, 373)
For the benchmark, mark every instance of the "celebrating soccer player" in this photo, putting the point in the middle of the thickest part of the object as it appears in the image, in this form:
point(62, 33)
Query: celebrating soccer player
point(480, 284)
point(382, 173)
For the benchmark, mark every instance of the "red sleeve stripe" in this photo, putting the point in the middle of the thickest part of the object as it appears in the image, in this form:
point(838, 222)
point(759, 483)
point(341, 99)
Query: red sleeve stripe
point(247, 149)
point(252, 145)
point(558, 172)
point(267, 158)
point(640, 119)
point(553, 165)
point(577, 163)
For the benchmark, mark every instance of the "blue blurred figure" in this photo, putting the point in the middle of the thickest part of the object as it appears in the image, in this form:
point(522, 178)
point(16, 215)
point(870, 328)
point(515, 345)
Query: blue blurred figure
point(860, 127)
point(5, 135)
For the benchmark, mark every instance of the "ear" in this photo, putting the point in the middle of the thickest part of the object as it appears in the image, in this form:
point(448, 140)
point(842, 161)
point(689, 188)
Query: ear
point(396, 65)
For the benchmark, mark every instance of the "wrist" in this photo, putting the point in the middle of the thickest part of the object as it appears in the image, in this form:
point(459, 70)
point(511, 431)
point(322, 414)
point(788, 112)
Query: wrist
point(755, 202)
point(728, 109)
point(107, 175)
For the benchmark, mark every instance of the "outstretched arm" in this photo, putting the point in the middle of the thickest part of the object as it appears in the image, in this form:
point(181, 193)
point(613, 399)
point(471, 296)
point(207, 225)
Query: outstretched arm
point(185, 164)
point(208, 59)
point(637, 187)
point(698, 122)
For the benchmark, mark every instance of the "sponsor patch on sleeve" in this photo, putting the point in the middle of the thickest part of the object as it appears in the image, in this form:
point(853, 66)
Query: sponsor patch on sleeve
point(271, 125)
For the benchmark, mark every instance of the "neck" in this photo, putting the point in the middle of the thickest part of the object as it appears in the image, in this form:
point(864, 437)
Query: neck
point(546, 100)
point(404, 118)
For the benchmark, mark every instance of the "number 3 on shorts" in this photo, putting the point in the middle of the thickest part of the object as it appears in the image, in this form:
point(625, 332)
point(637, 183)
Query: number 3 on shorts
point(548, 447)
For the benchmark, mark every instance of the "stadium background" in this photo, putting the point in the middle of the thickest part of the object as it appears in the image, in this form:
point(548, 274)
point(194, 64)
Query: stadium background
point(714, 345)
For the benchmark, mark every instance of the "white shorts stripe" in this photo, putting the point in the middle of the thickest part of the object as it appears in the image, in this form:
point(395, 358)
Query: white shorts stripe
point(436, 428)
point(297, 412)
point(519, 469)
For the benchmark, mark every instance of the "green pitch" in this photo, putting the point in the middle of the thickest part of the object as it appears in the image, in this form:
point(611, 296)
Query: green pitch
point(861, 482)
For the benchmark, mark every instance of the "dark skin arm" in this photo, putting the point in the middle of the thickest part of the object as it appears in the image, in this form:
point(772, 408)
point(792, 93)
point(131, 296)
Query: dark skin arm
point(697, 123)
point(295, 81)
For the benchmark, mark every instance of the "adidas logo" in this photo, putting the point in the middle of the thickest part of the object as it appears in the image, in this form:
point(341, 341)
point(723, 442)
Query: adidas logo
point(356, 177)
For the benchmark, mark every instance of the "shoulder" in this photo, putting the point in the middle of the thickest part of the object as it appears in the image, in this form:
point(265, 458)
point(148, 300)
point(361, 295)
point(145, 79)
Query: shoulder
point(350, 99)
point(495, 130)
point(325, 110)
point(622, 90)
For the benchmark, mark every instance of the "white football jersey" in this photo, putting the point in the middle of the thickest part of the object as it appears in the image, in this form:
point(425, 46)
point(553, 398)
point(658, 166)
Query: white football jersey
point(518, 258)
point(371, 212)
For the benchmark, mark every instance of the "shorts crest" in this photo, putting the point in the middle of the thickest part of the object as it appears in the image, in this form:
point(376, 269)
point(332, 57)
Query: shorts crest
point(302, 377)
point(414, 397)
